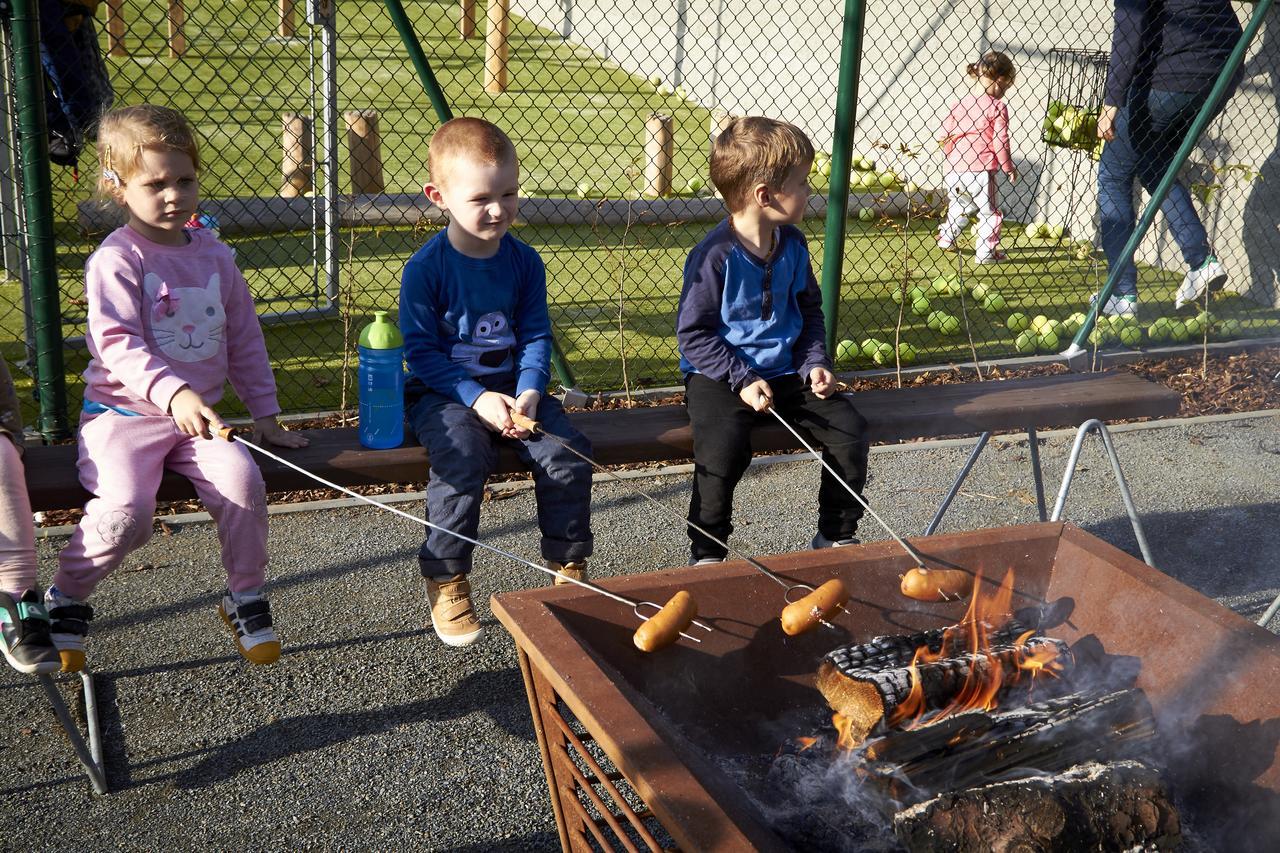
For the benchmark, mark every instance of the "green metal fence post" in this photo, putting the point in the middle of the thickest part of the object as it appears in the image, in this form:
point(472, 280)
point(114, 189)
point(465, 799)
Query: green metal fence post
point(401, 21)
point(841, 155)
point(37, 199)
point(1166, 183)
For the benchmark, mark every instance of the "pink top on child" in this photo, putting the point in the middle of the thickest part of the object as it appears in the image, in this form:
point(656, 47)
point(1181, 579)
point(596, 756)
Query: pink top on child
point(976, 135)
point(161, 317)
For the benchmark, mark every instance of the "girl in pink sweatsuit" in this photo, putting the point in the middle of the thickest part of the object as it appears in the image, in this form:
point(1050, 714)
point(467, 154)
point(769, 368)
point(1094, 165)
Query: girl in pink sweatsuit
point(975, 142)
point(170, 320)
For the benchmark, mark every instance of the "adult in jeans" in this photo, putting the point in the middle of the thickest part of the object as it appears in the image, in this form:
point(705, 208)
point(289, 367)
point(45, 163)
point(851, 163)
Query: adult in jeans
point(1165, 57)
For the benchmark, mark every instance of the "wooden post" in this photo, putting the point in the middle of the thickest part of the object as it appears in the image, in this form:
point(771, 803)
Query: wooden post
point(115, 28)
point(365, 150)
point(297, 144)
point(495, 47)
point(659, 154)
point(288, 19)
point(177, 39)
point(467, 21)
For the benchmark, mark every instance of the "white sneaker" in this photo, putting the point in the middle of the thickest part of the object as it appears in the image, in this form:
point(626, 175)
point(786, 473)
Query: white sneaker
point(1210, 276)
point(1118, 306)
point(248, 615)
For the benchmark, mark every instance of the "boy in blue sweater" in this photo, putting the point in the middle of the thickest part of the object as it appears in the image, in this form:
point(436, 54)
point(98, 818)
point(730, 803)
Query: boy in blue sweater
point(477, 335)
point(751, 333)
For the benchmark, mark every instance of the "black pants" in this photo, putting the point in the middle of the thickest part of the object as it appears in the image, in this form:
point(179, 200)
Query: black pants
point(722, 451)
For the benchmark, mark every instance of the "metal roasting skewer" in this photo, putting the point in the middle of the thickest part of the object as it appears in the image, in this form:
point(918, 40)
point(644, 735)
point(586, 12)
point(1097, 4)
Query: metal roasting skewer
point(230, 434)
point(788, 586)
point(816, 455)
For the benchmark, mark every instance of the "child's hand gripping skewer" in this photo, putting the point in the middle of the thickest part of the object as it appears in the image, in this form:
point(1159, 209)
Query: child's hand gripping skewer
point(670, 619)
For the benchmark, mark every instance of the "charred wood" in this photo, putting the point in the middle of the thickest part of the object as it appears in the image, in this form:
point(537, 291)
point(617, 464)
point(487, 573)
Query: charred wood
point(1117, 806)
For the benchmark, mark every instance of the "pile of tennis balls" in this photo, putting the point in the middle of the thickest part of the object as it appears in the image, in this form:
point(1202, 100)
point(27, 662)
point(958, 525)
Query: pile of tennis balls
point(875, 350)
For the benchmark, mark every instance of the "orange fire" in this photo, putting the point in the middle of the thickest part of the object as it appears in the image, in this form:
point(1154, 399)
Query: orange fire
point(971, 639)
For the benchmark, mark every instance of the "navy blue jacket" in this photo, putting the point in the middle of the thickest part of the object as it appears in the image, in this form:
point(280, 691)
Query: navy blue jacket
point(742, 319)
point(1169, 45)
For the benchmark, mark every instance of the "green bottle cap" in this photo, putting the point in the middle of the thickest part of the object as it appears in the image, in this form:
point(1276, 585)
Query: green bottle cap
point(381, 333)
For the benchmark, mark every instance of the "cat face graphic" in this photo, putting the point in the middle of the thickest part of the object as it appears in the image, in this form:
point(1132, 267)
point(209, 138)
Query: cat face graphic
point(187, 322)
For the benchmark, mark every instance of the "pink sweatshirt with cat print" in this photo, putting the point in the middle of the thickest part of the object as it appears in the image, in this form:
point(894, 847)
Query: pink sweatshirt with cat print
point(165, 317)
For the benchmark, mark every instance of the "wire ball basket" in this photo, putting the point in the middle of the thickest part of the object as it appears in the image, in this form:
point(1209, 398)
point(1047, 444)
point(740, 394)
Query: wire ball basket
point(1076, 81)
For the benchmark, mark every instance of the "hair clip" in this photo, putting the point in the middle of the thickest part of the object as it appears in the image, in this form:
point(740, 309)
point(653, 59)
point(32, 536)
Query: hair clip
point(111, 176)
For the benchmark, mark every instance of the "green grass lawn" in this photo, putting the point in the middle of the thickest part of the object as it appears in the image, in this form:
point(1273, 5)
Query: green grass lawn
point(574, 118)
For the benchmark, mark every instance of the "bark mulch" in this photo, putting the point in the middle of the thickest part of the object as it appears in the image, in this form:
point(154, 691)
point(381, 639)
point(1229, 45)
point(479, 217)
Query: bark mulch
point(1218, 384)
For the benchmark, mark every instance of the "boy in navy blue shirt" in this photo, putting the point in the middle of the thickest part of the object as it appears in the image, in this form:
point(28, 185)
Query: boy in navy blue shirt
point(751, 336)
point(477, 335)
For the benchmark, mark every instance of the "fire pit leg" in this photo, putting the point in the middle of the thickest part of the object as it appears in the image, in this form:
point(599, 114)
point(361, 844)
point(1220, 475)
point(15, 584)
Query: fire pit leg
point(543, 747)
point(1101, 429)
point(960, 478)
point(1033, 445)
point(1271, 611)
point(90, 756)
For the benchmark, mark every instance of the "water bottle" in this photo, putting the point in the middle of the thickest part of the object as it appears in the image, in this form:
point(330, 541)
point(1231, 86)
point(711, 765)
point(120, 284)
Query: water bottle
point(381, 378)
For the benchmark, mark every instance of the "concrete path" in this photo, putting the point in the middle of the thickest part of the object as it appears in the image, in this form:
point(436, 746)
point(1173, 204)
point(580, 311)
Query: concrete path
point(369, 733)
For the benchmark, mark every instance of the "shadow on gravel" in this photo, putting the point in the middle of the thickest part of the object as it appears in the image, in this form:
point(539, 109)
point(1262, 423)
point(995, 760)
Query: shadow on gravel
point(1218, 551)
point(495, 692)
point(535, 841)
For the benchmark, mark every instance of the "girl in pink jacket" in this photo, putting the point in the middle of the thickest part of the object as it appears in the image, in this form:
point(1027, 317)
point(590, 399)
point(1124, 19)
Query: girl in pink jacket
point(170, 321)
point(975, 142)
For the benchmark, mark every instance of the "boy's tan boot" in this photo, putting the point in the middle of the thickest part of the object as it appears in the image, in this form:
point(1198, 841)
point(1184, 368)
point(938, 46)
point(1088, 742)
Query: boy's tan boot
point(576, 569)
point(452, 615)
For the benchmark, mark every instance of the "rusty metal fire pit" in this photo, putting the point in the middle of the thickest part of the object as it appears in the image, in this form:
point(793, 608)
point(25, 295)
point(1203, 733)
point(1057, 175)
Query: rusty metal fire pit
point(637, 748)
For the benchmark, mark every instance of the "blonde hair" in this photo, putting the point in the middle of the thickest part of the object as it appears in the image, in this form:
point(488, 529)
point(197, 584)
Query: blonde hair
point(474, 139)
point(994, 65)
point(756, 150)
point(124, 133)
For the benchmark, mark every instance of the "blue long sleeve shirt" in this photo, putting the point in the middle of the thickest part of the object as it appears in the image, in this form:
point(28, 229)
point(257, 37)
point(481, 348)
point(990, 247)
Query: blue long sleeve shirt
point(474, 324)
point(1169, 45)
point(741, 319)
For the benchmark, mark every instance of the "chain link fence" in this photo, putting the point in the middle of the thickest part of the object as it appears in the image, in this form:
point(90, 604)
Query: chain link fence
point(314, 129)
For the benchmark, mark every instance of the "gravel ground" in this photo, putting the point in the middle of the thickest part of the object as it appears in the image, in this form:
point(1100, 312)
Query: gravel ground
point(370, 733)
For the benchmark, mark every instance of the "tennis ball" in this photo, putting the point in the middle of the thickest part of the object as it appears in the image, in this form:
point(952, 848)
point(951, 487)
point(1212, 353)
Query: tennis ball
point(1038, 323)
point(586, 189)
point(888, 179)
point(940, 285)
point(906, 353)
point(935, 319)
point(1131, 336)
point(1044, 229)
point(1101, 335)
point(1073, 323)
point(884, 354)
point(1031, 229)
point(1206, 318)
point(1159, 330)
point(664, 90)
point(824, 168)
point(865, 164)
point(867, 214)
point(847, 350)
point(695, 185)
point(1018, 322)
point(917, 292)
point(1178, 331)
point(682, 93)
point(920, 307)
point(1229, 329)
point(655, 80)
point(993, 303)
point(912, 187)
point(1056, 232)
point(1053, 327)
point(950, 325)
point(869, 347)
point(980, 291)
point(1026, 341)
point(1194, 327)
point(1048, 341)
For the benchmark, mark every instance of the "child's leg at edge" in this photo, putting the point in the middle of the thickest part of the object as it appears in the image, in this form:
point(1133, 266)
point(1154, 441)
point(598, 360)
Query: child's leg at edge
point(842, 430)
point(562, 484)
point(228, 482)
point(17, 531)
point(721, 453)
point(990, 217)
point(121, 462)
point(959, 207)
point(462, 453)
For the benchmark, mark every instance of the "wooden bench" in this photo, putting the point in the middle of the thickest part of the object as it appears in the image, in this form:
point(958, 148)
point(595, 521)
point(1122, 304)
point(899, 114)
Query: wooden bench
point(662, 433)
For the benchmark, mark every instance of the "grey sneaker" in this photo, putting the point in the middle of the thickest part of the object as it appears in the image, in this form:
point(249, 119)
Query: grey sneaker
point(453, 616)
point(24, 629)
point(1208, 277)
point(820, 541)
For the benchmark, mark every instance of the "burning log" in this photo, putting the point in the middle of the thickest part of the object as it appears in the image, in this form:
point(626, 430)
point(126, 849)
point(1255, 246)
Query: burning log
point(976, 747)
point(1117, 806)
point(899, 677)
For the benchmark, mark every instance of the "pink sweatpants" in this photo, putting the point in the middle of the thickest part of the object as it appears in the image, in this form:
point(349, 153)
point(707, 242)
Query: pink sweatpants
point(122, 459)
point(17, 531)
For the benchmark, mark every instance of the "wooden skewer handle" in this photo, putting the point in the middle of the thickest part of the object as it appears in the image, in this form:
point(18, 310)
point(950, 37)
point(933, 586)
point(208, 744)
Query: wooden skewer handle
point(228, 433)
point(524, 422)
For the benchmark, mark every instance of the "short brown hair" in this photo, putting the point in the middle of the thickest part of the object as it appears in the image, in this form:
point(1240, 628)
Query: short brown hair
point(473, 138)
point(124, 133)
point(994, 65)
point(756, 150)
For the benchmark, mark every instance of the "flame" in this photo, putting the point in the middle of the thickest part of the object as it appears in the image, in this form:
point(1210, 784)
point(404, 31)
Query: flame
point(971, 638)
point(806, 742)
point(845, 739)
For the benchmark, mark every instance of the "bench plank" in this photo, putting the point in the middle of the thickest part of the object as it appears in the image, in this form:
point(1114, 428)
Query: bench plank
point(662, 433)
